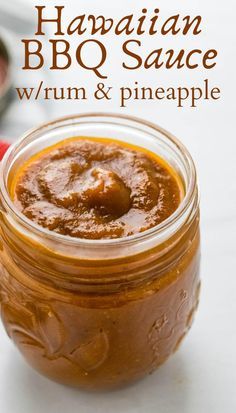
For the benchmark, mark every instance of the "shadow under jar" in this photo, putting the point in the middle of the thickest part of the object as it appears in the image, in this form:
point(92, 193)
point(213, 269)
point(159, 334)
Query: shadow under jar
point(99, 313)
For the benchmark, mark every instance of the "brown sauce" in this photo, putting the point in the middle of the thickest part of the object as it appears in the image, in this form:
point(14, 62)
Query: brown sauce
point(96, 189)
point(97, 320)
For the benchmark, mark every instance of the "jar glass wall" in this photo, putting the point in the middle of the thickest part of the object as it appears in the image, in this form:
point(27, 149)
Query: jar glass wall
point(99, 313)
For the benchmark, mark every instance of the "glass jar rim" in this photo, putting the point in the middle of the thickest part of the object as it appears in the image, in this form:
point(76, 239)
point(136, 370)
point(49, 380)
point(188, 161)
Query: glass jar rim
point(156, 231)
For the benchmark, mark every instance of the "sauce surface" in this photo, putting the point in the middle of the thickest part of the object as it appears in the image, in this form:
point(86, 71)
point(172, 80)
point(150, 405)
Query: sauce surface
point(96, 189)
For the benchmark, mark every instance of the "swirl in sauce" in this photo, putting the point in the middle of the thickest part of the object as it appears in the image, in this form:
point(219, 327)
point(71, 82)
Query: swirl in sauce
point(96, 189)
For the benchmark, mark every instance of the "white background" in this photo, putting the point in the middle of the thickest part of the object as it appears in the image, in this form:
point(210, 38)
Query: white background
point(201, 377)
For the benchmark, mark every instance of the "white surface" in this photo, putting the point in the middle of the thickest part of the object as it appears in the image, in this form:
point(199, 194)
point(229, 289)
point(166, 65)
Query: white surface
point(201, 377)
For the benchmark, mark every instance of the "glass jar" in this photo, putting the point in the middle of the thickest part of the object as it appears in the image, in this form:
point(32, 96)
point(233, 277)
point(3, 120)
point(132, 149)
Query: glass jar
point(99, 313)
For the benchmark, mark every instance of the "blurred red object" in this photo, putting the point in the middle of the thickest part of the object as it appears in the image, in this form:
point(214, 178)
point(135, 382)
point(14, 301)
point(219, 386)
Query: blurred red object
point(3, 148)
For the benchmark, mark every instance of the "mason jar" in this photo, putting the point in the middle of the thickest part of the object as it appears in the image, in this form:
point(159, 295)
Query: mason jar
point(99, 313)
